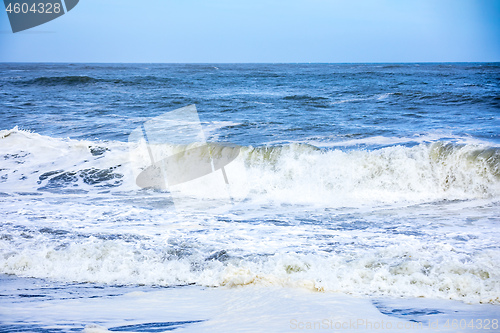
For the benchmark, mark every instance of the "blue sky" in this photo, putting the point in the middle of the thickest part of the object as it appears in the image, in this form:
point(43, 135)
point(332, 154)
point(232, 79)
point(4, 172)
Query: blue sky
point(219, 31)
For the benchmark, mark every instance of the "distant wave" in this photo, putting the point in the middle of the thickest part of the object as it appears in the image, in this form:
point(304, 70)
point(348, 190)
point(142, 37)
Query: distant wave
point(306, 98)
point(74, 80)
point(61, 80)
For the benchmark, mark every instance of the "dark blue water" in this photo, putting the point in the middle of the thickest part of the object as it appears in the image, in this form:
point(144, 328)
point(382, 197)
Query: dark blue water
point(269, 103)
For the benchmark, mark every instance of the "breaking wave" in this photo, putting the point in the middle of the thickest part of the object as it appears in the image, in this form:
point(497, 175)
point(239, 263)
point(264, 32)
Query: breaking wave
point(78, 238)
point(294, 173)
point(409, 269)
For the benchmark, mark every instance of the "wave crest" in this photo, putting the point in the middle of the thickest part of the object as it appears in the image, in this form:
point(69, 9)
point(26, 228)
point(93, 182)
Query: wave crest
point(293, 173)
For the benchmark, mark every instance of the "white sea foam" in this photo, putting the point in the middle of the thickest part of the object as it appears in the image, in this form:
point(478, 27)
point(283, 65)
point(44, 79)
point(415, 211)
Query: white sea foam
point(358, 222)
point(406, 266)
point(377, 141)
point(292, 173)
point(249, 309)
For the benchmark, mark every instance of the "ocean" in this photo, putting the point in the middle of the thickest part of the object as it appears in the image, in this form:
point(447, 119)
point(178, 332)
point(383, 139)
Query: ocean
point(341, 197)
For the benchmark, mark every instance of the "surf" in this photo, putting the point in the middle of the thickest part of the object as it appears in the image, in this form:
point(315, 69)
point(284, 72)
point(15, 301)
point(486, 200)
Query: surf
point(290, 173)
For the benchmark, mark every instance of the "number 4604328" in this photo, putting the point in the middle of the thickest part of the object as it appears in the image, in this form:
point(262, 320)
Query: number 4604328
point(36, 8)
point(484, 324)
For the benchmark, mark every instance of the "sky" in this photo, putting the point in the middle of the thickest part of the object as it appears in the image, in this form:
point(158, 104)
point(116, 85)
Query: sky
point(256, 31)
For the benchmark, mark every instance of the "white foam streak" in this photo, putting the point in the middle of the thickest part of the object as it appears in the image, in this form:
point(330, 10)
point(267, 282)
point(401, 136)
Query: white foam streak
point(408, 269)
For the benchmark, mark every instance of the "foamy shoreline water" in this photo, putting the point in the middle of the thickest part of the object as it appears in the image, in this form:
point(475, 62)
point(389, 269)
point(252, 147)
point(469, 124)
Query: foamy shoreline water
point(111, 234)
point(44, 306)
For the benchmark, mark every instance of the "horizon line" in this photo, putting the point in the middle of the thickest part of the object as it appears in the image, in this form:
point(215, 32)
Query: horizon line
point(251, 63)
